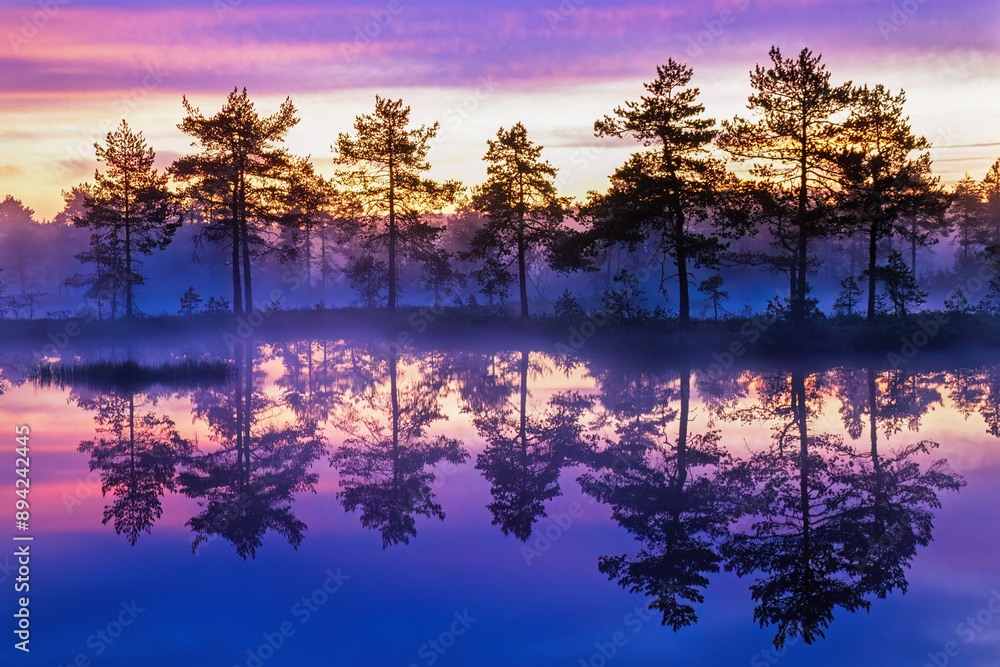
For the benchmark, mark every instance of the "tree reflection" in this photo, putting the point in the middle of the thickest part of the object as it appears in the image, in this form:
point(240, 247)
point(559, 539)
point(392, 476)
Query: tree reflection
point(797, 505)
point(245, 486)
point(314, 378)
point(890, 515)
point(137, 456)
point(972, 389)
point(830, 525)
point(384, 460)
point(666, 495)
point(524, 452)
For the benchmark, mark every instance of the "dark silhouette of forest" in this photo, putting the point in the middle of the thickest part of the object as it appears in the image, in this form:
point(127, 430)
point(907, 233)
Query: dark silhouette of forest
point(840, 216)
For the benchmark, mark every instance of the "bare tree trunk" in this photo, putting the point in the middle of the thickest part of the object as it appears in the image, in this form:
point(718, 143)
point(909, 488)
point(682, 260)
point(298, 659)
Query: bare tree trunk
point(521, 268)
point(872, 263)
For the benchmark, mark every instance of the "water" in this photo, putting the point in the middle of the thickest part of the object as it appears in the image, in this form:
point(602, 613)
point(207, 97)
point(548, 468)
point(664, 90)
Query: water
point(340, 503)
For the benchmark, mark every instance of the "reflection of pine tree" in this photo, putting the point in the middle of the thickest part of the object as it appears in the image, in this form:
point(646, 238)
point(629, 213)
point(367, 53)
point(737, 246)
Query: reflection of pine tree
point(246, 486)
point(793, 542)
point(137, 455)
point(384, 460)
point(890, 516)
point(666, 496)
point(830, 526)
point(525, 452)
point(314, 378)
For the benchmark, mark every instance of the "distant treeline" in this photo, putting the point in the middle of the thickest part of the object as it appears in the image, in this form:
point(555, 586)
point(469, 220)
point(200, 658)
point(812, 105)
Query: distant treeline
point(839, 199)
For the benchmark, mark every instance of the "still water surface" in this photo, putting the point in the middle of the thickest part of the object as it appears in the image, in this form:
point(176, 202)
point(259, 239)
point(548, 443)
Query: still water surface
point(335, 503)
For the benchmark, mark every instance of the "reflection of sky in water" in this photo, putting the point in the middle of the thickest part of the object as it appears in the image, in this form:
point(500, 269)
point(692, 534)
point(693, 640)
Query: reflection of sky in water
point(209, 608)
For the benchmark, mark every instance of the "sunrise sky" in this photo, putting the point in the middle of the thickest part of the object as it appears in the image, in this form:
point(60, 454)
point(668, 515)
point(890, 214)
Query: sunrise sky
point(70, 70)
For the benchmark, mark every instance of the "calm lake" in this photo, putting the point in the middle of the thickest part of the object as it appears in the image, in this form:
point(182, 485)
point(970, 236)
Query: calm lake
point(329, 502)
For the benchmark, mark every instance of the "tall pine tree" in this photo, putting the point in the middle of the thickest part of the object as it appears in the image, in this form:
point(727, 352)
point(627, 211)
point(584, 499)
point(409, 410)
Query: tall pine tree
point(793, 141)
point(884, 185)
point(238, 176)
point(130, 209)
point(384, 163)
point(667, 189)
point(520, 203)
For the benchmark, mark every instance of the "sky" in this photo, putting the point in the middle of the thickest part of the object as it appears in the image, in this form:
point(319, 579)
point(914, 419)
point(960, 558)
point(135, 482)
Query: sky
point(71, 70)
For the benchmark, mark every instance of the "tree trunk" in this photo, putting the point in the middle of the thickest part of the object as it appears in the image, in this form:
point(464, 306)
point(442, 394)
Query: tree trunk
point(245, 242)
point(872, 422)
point(872, 259)
point(248, 295)
point(684, 305)
point(394, 392)
point(237, 289)
point(248, 409)
point(522, 273)
point(323, 271)
point(802, 253)
point(392, 229)
point(683, 428)
point(128, 258)
point(801, 417)
point(240, 361)
point(523, 428)
point(308, 257)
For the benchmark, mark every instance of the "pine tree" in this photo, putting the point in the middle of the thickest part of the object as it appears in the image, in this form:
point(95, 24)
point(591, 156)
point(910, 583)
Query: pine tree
point(884, 189)
point(900, 284)
point(716, 296)
point(383, 165)
point(238, 176)
point(668, 188)
point(130, 210)
point(520, 202)
point(965, 215)
point(989, 188)
point(189, 301)
point(439, 274)
point(315, 213)
point(793, 141)
point(849, 297)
